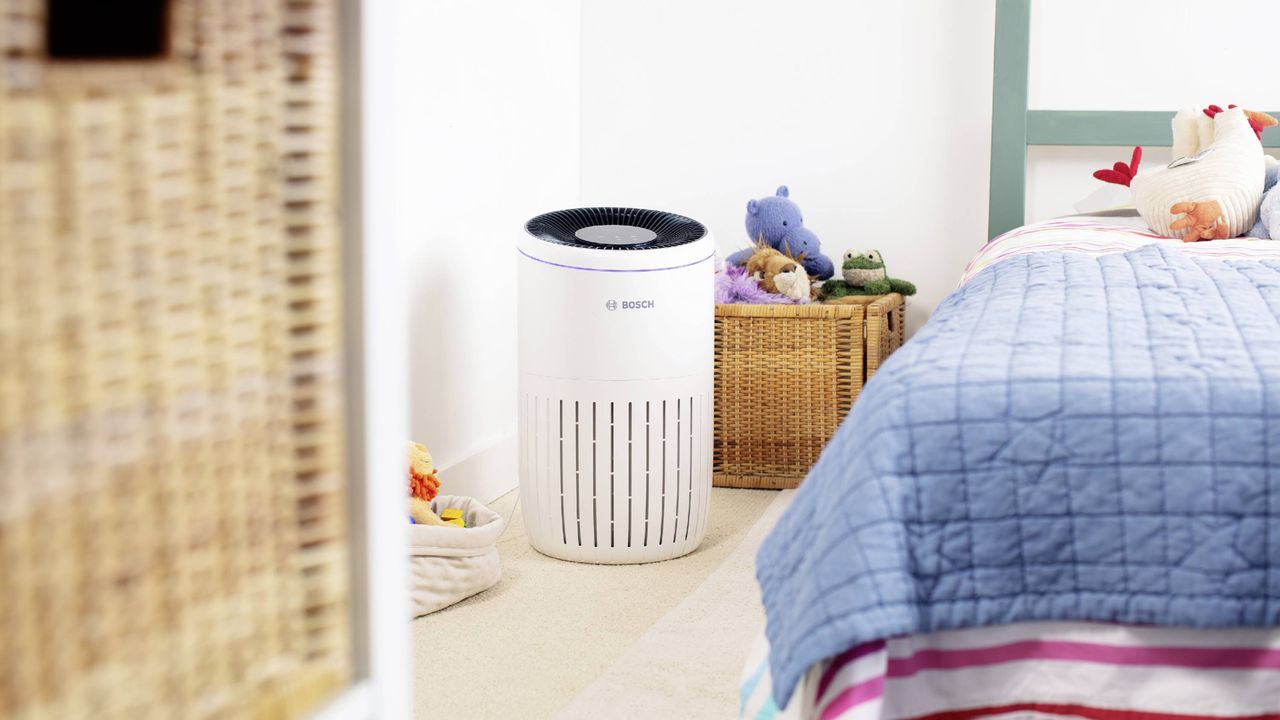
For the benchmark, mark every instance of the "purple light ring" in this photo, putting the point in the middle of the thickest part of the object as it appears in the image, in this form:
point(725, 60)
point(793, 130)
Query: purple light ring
point(576, 267)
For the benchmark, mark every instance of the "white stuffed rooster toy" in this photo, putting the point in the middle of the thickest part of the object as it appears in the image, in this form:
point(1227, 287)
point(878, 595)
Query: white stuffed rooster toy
point(1214, 186)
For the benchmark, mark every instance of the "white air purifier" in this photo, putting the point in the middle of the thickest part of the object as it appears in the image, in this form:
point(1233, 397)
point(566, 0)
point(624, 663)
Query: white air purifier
point(616, 326)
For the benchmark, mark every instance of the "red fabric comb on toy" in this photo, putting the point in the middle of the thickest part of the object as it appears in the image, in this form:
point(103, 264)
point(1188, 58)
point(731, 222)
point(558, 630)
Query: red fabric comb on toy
point(1256, 126)
point(1121, 174)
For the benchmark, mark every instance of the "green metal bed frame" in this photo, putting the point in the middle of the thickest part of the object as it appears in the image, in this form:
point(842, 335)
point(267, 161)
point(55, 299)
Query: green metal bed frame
point(1014, 127)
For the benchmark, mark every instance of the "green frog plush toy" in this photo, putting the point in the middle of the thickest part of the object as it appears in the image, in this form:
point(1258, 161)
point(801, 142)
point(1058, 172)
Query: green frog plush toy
point(864, 274)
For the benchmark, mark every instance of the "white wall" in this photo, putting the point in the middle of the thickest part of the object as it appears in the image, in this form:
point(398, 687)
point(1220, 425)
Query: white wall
point(487, 135)
point(876, 114)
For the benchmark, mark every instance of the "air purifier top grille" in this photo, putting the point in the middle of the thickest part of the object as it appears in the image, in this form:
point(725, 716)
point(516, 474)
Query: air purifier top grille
point(615, 228)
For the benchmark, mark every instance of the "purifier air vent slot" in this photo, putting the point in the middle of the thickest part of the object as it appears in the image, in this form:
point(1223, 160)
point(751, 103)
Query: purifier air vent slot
point(647, 451)
point(595, 509)
point(599, 228)
point(647, 491)
point(612, 450)
point(689, 484)
point(564, 534)
point(662, 522)
point(630, 469)
point(577, 473)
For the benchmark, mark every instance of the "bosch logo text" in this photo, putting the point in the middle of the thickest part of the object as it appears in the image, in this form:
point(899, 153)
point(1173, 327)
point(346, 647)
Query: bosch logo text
point(629, 304)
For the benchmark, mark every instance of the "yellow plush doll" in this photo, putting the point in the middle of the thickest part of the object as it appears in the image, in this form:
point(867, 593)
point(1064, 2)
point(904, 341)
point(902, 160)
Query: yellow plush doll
point(422, 514)
point(423, 486)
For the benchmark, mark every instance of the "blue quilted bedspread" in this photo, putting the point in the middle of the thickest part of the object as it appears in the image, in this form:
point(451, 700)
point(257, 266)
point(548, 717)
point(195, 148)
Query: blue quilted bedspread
point(1069, 437)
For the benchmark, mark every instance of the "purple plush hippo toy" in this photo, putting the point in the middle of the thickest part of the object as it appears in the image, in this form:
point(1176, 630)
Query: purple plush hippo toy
point(777, 221)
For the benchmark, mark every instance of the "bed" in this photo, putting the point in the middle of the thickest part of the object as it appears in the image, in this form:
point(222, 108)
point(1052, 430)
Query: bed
point(1061, 498)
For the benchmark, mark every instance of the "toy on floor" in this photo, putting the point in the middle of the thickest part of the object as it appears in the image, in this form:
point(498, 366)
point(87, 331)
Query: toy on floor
point(776, 221)
point(420, 513)
point(865, 274)
point(779, 273)
point(1213, 188)
point(422, 473)
point(423, 486)
point(734, 285)
point(453, 516)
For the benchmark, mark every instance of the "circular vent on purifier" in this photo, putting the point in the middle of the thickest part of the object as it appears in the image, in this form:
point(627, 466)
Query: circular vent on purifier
point(615, 228)
point(616, 356)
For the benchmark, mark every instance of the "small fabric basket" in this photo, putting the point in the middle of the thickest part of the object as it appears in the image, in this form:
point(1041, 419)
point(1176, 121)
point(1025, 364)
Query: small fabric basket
point(448, 564)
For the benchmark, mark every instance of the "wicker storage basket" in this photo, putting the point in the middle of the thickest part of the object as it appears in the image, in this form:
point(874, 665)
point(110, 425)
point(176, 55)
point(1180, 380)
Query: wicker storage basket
point(820, 354)
point(172, 492)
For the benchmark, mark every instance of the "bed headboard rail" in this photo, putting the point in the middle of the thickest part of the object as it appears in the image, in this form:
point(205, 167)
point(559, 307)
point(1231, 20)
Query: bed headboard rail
point(1014, 127)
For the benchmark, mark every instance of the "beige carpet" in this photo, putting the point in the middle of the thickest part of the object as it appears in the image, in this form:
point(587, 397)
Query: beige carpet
point(689, 663)
point(551, 629)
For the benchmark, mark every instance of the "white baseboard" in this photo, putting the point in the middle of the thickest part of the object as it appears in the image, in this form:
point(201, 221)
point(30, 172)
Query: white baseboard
point(485, 475)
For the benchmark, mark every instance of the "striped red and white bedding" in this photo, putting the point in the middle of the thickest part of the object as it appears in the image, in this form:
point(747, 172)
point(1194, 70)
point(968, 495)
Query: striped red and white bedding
point(1054, 669)
point(1101, 236)
point(1030, 670)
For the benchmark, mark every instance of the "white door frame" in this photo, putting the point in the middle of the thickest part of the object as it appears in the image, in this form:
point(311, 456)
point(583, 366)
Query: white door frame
point(376, 368)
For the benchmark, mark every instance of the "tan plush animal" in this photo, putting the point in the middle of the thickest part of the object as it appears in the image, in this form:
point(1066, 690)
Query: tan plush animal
point(780, 274)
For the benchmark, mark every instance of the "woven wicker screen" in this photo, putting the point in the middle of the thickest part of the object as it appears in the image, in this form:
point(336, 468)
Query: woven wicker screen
point(172, 500)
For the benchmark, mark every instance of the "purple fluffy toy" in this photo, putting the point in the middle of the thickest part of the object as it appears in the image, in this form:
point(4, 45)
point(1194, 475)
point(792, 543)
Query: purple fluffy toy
point(733, 285)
